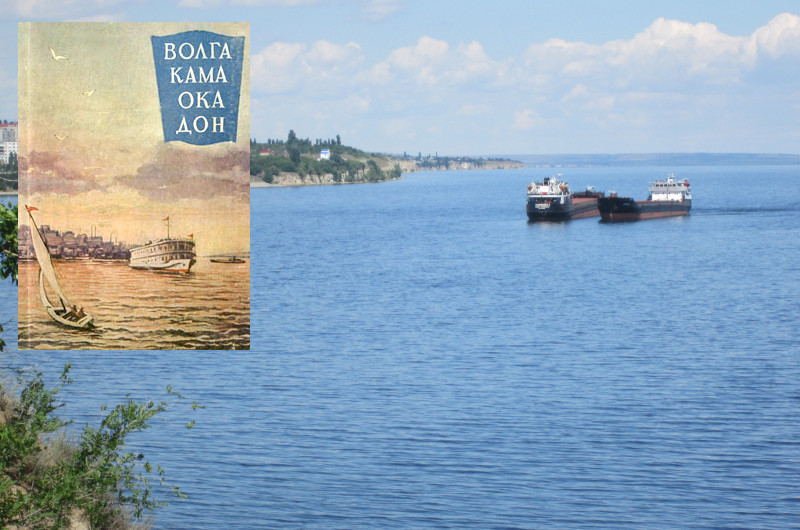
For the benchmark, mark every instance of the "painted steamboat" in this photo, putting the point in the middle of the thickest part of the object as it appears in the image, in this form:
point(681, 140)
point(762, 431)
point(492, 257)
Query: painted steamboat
point(551, 200)
point(170, 254)
point(667, 198)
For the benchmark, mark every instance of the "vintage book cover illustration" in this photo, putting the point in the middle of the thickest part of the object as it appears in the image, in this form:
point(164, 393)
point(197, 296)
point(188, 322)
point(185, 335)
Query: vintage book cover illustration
point(134, 186)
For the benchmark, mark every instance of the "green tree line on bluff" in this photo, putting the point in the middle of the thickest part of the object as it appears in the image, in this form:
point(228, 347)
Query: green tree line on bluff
point(8, 173)
point(302, 156)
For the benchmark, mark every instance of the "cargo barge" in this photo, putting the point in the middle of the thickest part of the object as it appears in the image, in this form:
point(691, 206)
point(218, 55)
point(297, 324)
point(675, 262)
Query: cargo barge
point(551, 200)
point(668, 198)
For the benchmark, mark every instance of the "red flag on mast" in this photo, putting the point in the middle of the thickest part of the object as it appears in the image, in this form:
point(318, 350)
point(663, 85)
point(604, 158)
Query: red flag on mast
point(166, 218)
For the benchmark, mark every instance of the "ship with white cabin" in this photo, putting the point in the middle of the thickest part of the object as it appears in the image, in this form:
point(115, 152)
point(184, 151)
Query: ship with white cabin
point(552, 200)
point(170, 254)
point(667, 198)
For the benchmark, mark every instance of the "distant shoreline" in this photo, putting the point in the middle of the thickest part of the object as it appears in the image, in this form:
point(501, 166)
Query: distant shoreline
point(657, 159)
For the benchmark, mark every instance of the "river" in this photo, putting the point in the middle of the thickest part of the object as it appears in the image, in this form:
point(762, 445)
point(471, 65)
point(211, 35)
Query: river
point(422, 356)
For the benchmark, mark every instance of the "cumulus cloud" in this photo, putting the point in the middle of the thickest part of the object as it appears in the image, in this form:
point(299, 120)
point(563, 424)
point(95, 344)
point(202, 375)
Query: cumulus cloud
point(426, 53)
point(668, 53)
point(780, 37)
point(332, 55)
point(672, 72)
point(431, 61)
point(283, 66)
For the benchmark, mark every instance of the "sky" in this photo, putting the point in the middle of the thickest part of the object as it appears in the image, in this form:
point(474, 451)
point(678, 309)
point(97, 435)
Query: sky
point(467, 77)
point(92, 149)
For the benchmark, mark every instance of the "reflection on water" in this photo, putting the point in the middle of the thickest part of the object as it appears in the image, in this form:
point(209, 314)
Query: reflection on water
point(208, 309)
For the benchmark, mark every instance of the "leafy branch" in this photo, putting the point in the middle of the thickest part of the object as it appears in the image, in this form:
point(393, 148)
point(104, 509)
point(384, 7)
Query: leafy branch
point(97, 476)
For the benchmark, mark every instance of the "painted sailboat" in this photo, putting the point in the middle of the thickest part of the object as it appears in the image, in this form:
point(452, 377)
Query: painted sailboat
point(63, 311)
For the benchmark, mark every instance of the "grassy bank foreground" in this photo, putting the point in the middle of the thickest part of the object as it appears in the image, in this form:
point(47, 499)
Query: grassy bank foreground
point(51, 477)
point(54, 477)
point(49, 481)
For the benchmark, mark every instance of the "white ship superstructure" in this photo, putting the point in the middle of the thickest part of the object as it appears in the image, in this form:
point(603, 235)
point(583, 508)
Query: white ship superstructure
point(551, 199)
point(167, 255)
point(670, 190)
point(171, 254)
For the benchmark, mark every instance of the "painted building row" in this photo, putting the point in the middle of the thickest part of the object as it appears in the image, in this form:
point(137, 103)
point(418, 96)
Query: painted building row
point(69, 245)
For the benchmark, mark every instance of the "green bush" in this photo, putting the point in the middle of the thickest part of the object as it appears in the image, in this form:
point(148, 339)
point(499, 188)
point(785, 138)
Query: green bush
point(8, 247)
point(96, 478)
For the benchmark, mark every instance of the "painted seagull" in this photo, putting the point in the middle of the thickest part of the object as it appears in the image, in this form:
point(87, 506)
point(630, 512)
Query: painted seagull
point(57, 57)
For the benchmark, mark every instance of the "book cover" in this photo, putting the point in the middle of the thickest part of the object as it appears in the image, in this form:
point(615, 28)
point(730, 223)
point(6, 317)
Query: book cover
point(134, 186)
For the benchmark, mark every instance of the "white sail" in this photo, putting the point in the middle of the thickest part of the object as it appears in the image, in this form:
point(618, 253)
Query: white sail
point(45, 263)
point(42, 294)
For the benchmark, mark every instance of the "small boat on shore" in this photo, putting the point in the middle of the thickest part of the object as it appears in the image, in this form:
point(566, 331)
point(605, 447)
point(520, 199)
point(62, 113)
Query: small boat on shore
point(668, 198)
point(551, 200)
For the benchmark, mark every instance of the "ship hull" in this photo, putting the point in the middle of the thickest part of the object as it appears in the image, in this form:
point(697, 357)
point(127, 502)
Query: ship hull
point(575, 208)
point(620, 209)
point(180, 266)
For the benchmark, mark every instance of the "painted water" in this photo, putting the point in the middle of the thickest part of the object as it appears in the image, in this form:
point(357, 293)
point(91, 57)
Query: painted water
point(422, 356)
point(134, 309)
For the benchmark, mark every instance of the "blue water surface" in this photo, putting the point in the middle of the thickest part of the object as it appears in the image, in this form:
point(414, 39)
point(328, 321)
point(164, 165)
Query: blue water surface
point(423, 357)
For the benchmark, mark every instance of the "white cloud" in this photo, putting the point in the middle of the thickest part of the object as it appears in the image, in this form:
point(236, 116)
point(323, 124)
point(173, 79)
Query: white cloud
point(357, 104)
point(285, 66)
point(578, 92)
point(780, 37)
point(373, 9)
point(669, 53)
point(379, 74)
point(209, 4)
point(106, 17)
point(335, 55)
point(431, 62)
point(424, 62)
point(525, 120)
point(667, 87)
point(280, 54)
point(380, 9)
point(275, 69)
point(50, 9)
point(426, 53)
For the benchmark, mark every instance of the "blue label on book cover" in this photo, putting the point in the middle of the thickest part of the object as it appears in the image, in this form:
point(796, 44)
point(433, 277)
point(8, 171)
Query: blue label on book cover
point(199, 76)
